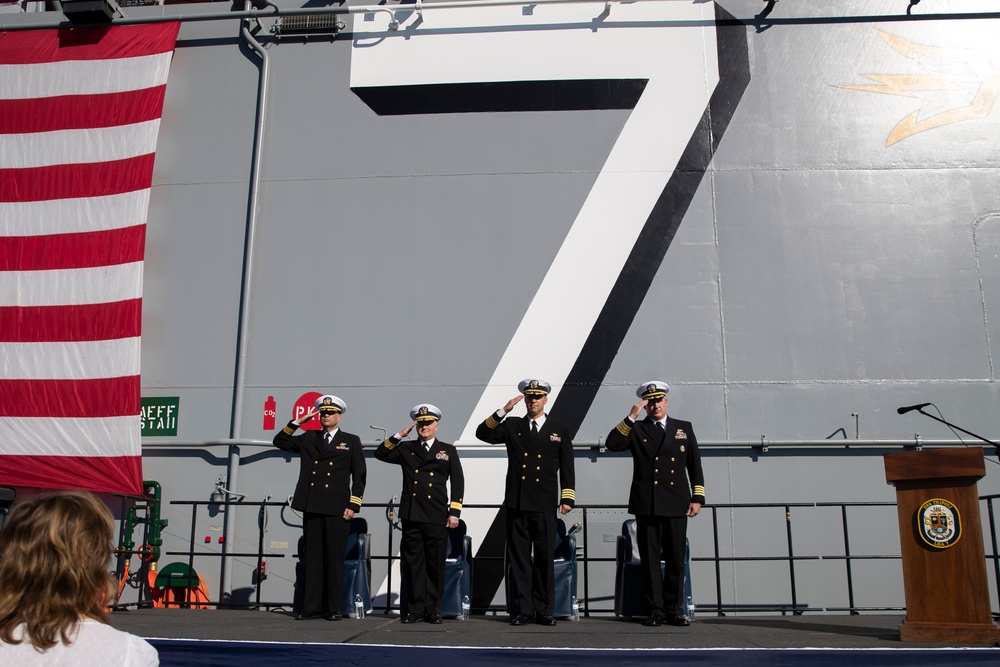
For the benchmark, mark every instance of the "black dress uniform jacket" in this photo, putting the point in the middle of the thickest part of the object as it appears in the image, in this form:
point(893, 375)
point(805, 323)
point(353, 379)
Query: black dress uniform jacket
point(534, 465)
point(425, 494)
point(331, 476)
point(662, 465)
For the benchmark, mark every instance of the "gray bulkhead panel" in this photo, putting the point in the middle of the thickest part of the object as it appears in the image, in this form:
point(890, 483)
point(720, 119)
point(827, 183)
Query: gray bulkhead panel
point(818, 272)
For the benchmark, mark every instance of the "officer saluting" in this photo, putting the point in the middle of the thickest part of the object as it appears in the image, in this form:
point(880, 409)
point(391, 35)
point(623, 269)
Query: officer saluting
point(539, 454)
point(332, 475)
point(664, 457)
point(427, 465)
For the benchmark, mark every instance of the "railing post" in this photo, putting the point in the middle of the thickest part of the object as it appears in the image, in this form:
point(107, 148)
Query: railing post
point(194, 522)
point(120, 564)
point(390, 515)
point(993, 537)
point(718, 565)
point(847, 560)
point(261, 520)
point(586, 568)
point(143, 562)
point(791, 559)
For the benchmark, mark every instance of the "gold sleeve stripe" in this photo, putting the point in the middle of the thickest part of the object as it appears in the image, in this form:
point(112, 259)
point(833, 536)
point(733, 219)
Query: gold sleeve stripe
point(699, 490)
point(389, 444)
point(491, 422)
point(456, 506)
point(569, 493)
point(624, 427)
point(355, 501)
point(289, 429)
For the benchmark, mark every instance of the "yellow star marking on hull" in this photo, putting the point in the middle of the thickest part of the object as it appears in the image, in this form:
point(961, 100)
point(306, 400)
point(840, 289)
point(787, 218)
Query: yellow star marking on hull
point(959, 70)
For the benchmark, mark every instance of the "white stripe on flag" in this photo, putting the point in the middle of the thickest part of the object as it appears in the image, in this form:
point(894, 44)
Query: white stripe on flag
point(70, 361)
point(69, 216)
point(105, 144)
point(83, 77)
point(102, 284)
point(49, 436)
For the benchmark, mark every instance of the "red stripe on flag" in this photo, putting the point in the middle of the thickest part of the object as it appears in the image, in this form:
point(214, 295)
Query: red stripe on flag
point(51, 324)
point(99, 43)
point(72, 251)
point(74, 399)
point(110, 474)
point(79, 112)
point(66, 181)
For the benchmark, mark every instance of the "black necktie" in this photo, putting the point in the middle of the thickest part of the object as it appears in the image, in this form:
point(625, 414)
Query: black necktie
point(329, 438)
point(659, 425)
point(534, 428)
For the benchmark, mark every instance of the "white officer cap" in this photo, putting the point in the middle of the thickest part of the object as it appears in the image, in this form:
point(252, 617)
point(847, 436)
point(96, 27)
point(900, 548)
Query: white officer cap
point(652, 389)
point(534, 387)
point(425, 412)
point(330, 403)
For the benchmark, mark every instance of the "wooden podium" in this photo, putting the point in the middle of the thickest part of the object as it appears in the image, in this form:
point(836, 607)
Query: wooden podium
point(941, 539)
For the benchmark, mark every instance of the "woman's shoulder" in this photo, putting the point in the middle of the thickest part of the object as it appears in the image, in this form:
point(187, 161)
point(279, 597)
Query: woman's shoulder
point(123, 648)
point(92, 644)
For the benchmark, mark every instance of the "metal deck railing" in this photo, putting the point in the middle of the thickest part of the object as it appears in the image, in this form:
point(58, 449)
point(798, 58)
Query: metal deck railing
point(784, 552)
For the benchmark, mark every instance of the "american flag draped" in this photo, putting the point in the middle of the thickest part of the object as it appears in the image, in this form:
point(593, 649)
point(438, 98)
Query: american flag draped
point(79, 114)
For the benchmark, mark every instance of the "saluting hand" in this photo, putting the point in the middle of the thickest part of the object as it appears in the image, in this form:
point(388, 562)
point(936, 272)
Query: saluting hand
point(306, 417)
point(636, 409)
point(512, 402)
point(406, 431)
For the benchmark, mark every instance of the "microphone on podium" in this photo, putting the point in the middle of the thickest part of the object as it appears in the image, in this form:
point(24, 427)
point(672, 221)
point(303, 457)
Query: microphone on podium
point(953, 427)
point(908, 408)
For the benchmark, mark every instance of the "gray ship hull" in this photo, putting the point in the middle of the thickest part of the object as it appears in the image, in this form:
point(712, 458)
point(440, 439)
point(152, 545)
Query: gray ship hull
point(790, 215)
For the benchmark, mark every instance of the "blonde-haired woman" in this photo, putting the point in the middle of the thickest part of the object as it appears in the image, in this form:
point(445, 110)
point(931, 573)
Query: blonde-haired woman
point(54, 582)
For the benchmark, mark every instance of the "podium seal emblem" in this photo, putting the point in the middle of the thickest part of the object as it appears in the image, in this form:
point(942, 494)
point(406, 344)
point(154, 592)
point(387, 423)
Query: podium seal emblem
point(939, 523)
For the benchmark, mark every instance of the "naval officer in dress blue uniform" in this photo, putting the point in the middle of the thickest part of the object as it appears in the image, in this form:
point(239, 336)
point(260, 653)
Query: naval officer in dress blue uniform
point(539, 456)
point(668, 487)
point(428, 464)
point(332, 477)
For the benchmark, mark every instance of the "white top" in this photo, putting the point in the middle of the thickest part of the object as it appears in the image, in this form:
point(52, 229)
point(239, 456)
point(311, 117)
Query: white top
point(95, 645)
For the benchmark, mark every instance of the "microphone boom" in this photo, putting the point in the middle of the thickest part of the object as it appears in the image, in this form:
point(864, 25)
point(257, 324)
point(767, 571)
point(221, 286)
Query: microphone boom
point(908, 408)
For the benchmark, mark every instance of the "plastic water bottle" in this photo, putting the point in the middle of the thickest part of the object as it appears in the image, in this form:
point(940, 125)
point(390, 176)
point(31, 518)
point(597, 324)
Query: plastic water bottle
point(466, 607)
point(359, 607)
point(689, 604)
point(576, 609)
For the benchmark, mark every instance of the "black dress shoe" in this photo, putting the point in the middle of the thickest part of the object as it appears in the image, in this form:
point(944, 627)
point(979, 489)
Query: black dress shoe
point(411, 618)
point(545, 620)
point(307, 615)
point(434, 619)
point(679, 621)
point(653, 622)
point(520, 619)
point(336, 616)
